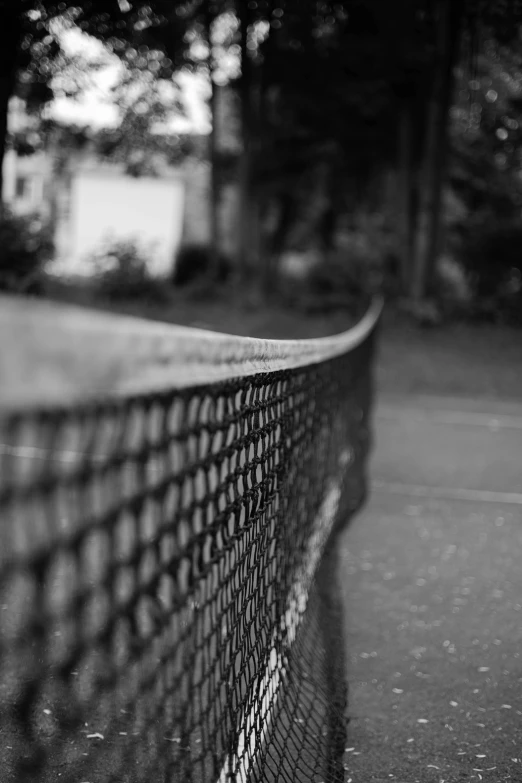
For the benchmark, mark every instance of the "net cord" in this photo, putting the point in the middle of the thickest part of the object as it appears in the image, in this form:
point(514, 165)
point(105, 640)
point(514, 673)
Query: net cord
point(54, 355)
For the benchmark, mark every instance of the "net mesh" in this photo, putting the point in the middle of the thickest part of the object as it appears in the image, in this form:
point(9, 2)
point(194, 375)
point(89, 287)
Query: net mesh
point(168, 597)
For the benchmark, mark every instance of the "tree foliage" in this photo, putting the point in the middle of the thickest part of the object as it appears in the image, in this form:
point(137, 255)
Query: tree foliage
point(486, 175)
point(325, 90)
point(486, 131)
point(330, 83)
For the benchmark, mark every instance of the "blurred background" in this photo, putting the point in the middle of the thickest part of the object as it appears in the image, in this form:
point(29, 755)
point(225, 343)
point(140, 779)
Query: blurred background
point(265, 167)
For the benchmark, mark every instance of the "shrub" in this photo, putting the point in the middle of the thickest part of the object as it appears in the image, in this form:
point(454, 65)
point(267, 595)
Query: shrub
point(337, 276)
point(26, 245)
point(360, 266)
point(451, 287)
point(194, 263)
point(491, 255)
point(122, 272)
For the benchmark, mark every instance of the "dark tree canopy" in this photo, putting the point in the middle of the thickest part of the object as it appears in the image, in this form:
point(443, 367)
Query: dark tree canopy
point(325, 90)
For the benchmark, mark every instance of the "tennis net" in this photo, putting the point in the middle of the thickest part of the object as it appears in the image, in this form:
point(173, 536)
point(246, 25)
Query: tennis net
point(169, 504)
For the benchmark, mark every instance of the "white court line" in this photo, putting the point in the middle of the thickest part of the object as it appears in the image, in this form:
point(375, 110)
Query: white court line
point(490, 420)
point(448, 493)
point(261, 715)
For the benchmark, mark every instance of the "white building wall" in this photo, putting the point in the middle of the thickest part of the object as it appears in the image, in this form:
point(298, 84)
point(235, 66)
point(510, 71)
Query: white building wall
point(107, 206)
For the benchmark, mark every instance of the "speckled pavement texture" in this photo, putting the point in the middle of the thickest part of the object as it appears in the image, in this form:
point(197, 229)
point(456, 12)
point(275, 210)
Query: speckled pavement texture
point(432, 587)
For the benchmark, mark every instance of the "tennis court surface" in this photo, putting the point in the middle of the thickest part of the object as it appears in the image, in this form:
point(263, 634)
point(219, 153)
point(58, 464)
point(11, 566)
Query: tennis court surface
point(170, 501)
point(432, 593)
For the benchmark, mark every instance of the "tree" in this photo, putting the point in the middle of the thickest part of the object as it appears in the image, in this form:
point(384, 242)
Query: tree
point(448, 24)
point(485, 174)
point(486, 131)
point(329, 81)
point(453, 21)
point(331, 94)
point(29, 50)
point(143, 141)
point(182, 36)
point(10, 37)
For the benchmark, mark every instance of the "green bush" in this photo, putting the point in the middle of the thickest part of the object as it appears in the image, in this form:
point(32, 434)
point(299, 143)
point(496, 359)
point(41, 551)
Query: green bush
point(340, 275)
point(361, 266)
point(491, 254)
point(451, 287)
point(194, 263)
point(122, 272)
point(26, 246)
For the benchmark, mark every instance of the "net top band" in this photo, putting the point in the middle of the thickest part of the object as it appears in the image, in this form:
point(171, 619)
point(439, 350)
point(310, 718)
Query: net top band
point(60, 355)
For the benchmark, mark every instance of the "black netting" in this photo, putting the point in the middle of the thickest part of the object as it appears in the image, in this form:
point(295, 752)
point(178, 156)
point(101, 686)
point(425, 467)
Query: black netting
point(167, 581)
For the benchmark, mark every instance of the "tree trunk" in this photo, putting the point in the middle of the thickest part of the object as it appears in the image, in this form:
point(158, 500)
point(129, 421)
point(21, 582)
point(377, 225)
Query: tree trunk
point(327, 230)
point(53, 178)
point(261, 194)
point(245, 217)
point(329, 219)
point(429, 219)
point(285, 220)
point(405, 193)
point(5, 94)
point(213, 142)
point(215, 189)
point(10, 34)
